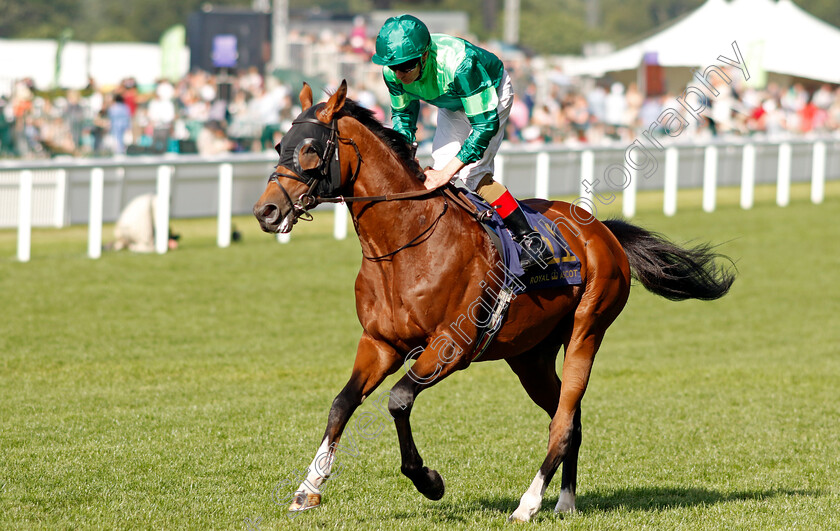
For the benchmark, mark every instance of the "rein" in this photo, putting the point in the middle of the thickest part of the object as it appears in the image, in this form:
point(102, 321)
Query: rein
point(414, 194)
point(414, 240)
point(309, 200)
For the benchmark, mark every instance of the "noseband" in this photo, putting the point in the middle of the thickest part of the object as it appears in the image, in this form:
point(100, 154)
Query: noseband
point(323, 181)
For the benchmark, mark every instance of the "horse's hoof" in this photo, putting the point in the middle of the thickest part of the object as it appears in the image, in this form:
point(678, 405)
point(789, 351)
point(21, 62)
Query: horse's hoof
point(528, 507)
point(430, 484)
point(304, 500)
point(565, 503)
point(519, 517)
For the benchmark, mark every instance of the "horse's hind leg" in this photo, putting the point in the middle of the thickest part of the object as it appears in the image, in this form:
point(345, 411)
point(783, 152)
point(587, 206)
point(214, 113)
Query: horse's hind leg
point(562, 439)
point(568, 482)
point(537, 373)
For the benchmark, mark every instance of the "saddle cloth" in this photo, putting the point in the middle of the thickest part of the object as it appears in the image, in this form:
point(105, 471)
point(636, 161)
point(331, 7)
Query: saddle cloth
point(563, 270)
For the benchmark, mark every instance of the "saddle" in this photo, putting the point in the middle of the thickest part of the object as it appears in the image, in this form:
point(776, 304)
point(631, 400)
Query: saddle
point(563, 270)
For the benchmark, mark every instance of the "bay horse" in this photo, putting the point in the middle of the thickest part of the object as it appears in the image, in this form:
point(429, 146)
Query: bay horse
point(426, 260)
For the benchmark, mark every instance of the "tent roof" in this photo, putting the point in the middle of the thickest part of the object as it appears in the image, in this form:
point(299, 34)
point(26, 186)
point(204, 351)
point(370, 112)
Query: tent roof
point(777, 37)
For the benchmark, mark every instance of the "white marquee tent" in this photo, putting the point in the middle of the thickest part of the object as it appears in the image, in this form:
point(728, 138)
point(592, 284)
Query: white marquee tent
point(776, 37)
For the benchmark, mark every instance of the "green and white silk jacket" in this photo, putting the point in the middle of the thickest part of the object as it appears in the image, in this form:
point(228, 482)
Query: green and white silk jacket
point(457, 76)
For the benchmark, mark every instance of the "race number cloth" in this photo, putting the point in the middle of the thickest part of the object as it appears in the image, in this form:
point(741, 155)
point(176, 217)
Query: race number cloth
point(563, 270)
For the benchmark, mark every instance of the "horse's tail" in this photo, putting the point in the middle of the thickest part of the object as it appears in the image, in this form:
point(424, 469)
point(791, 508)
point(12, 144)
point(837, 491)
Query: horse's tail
point(669, 270)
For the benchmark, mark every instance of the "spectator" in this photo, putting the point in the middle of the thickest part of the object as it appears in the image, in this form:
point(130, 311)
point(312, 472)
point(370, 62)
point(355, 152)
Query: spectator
point(119, 119)
point(358, 37)
point(135, 228)
point(7, 145)
point(74, 113)
point(128, 90)
point(161, 115)
point(833, 113)
point(578, 115)
point(98, 132)
point(518, 119)
point(213, 140)
point(596, 100)
point(823, 98)
point(615, 111)
point(650, 110)
point(775, 122)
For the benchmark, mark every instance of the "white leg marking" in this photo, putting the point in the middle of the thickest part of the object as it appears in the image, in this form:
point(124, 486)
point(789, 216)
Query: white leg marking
point(566, 502)
point(308, 495)
point(319, 470)
point(530, 502)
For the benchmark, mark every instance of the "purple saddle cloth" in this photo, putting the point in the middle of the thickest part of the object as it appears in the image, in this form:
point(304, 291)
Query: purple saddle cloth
point(563, 270)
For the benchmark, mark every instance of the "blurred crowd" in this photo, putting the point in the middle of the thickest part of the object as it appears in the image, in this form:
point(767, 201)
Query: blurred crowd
point(609, 112)
point(246, 111)
point(201, 113)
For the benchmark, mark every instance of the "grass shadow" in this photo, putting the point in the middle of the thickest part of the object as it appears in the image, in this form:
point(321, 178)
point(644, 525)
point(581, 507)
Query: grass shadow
point(631, 499)
point(658, 498)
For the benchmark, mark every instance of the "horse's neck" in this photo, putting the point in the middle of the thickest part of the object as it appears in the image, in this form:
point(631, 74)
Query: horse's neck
point(386, 225)
point(384, 177)
point(382, 172)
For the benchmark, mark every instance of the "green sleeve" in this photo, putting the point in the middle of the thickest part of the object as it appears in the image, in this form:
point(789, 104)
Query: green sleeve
point(404, 111)
point(404, 121)
point(484, 127)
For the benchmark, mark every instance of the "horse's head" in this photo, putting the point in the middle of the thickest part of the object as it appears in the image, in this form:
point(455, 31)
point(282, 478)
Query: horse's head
point(310, 166)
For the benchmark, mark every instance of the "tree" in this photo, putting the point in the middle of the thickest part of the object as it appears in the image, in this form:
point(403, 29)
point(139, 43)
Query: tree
point(548, 28)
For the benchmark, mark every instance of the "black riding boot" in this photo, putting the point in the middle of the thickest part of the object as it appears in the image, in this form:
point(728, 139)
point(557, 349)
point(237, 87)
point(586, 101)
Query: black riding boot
point(536, 252)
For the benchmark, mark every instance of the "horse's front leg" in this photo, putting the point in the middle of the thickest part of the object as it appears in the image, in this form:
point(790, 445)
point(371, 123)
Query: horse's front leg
point(374, 361)
point(431, 367)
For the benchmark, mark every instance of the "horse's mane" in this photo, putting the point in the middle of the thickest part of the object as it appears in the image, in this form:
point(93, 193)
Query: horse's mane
point(394, 140)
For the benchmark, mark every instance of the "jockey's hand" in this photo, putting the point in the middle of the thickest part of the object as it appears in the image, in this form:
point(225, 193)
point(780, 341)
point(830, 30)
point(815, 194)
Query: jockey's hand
point(435, 178)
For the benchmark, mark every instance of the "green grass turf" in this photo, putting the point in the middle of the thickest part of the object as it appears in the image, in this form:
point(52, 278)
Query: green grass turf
point(176, 391)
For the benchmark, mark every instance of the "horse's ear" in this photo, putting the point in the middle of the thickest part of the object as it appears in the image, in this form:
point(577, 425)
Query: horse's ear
point(305, 96)
point(334, 104)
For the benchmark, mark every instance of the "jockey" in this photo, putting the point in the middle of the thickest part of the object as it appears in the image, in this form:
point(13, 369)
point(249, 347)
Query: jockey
point(473, 94)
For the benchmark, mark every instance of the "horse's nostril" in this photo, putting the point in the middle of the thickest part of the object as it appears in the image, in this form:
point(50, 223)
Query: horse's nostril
point(269, 213)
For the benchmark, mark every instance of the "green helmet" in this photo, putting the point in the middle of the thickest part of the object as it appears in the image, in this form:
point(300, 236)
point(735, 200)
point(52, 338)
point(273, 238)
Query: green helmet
point(401, 39)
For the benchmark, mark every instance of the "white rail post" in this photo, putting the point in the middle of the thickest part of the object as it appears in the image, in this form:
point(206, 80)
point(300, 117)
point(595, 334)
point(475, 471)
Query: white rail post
point(225, 202)
point(24, 240)
point(672, 158)
point(340, 222)
point(541, 188)
point(97, 184)
point(710, 163)
point(818, 173)
point(748, 176)
point(783, 182)
point(587, 173)
point(628, 198)
point(164, 187)
point(60, 199)
point(499, 169)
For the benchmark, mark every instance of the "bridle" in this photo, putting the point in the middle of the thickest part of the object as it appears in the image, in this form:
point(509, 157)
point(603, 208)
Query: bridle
point(323, 182)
